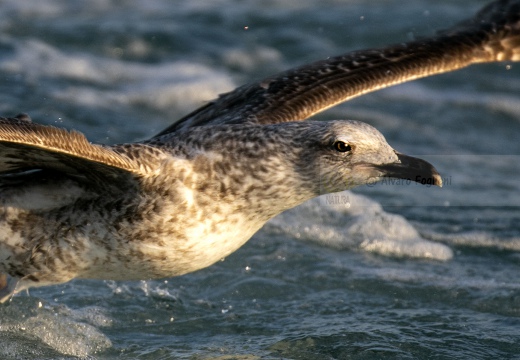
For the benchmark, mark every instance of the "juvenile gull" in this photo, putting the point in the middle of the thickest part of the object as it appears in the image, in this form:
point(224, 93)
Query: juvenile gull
point(201, 188)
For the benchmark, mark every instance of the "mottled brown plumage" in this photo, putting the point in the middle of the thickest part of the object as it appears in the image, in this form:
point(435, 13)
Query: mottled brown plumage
point(201, 188)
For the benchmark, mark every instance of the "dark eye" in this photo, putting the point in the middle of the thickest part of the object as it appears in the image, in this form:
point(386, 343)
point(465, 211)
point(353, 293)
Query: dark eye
point(341, 146)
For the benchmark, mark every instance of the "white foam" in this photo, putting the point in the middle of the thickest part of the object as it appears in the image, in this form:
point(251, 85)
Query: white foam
point(477, 239)
point(350, 221)
point(440, 280)
point(250, 59)
point(419, 93)
point(59, 328)
point(95, 81)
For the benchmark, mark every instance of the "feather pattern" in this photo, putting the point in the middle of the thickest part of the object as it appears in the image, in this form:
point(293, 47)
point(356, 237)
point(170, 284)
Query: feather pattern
point(202, 187)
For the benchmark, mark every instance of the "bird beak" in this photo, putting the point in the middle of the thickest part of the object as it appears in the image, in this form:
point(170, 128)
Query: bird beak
point(411, 168)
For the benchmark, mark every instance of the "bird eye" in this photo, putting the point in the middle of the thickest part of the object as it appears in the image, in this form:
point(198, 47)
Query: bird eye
point(341, 146)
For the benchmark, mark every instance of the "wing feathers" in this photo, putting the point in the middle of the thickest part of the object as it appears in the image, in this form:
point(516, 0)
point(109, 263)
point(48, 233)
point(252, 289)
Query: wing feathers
point(28, 146)
point(492, 35)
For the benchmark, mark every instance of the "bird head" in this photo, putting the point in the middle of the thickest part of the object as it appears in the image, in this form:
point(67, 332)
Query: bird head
point(345, 154)
point(271, 168)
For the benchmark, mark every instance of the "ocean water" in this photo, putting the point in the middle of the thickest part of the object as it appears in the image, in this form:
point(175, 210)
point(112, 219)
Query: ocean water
point(389, 271)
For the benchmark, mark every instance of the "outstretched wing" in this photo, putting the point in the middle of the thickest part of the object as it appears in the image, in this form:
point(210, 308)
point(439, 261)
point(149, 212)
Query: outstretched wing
point(26, 147)
point(492, 35)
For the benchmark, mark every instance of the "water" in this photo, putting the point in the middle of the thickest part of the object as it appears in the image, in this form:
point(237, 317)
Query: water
point(393, 271)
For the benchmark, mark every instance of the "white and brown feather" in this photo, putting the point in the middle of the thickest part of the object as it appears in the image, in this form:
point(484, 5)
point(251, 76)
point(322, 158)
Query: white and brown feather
point(202, 187)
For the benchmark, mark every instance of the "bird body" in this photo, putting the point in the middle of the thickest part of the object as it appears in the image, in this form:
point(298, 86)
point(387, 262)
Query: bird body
point(200, 189)
point(202, 197)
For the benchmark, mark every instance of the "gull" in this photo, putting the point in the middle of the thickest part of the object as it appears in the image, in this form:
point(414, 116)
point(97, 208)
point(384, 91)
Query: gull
point(198, 190)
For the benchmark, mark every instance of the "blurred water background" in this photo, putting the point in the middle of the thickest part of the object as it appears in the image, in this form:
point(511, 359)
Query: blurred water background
point(388, 271)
